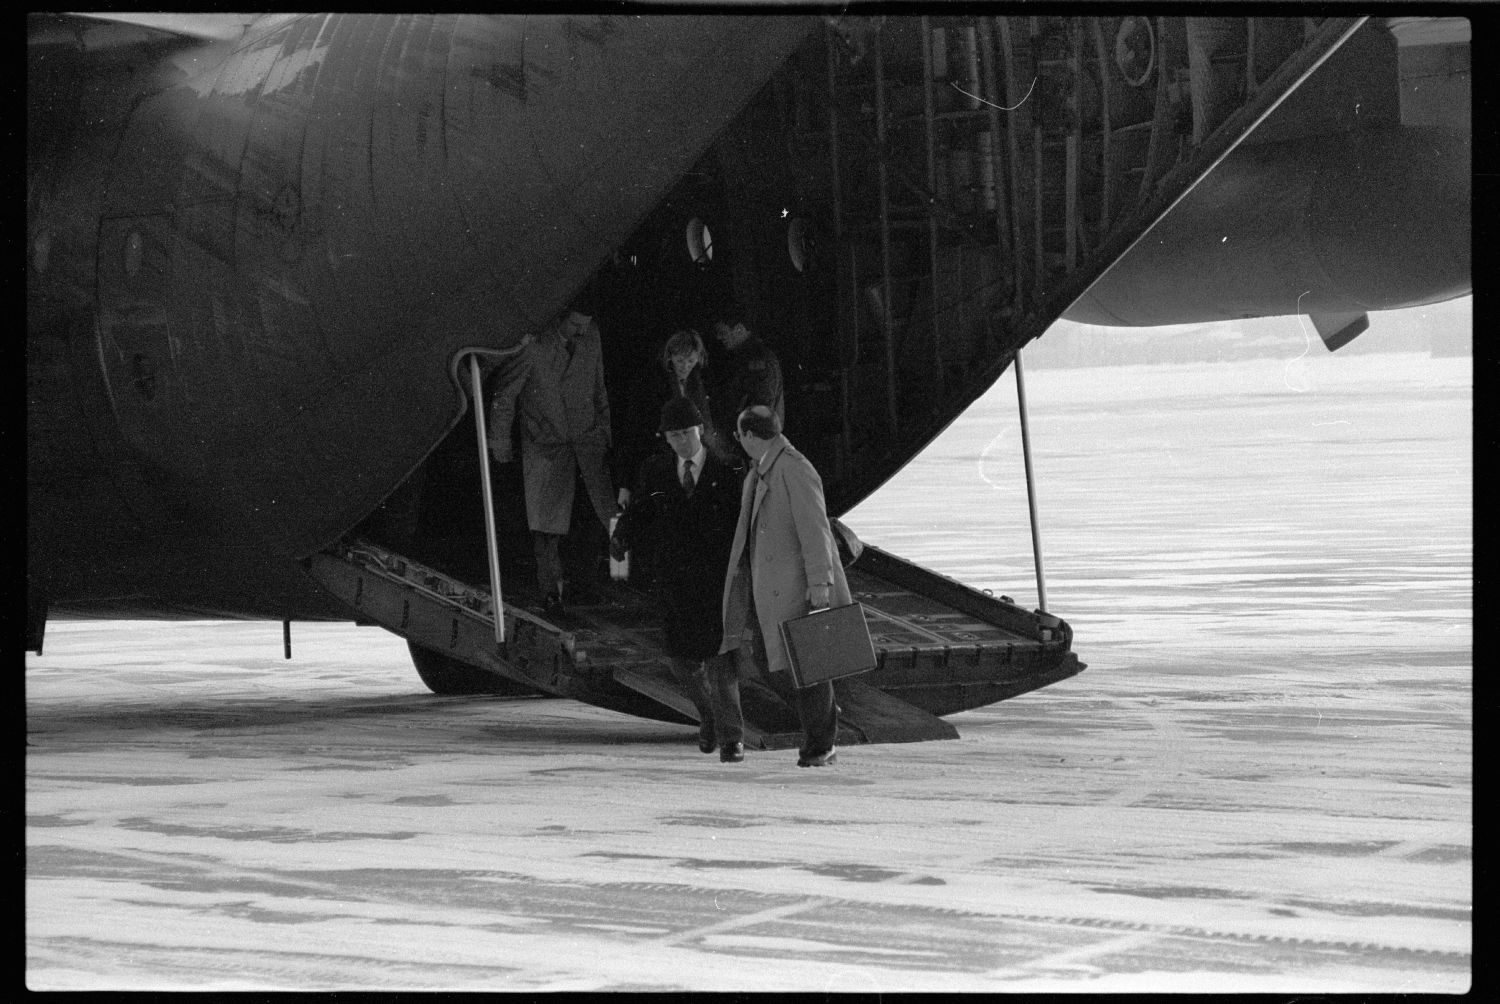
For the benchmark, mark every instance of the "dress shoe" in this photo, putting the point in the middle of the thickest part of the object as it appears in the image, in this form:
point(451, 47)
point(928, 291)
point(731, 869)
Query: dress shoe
point(732, 753)
point(819, 759)
point(706, 741)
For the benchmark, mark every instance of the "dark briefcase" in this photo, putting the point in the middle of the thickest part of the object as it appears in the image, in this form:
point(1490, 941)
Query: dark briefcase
point(828, 644)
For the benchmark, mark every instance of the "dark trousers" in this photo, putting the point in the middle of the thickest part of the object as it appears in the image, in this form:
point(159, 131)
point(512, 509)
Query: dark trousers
point(713, 686)
point(549, 570)
point(816, 710)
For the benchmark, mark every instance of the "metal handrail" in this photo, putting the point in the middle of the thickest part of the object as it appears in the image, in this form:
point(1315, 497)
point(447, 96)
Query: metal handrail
point(1036, 531)
point(492, 544)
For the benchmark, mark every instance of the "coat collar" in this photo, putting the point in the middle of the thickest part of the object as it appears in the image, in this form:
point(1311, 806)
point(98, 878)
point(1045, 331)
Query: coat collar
point(763, 468)
point(552, 340)
point(772, 454)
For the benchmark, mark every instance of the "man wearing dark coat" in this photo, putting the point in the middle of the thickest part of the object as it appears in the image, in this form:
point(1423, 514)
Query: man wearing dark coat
point(746, 372)
point(682, 515)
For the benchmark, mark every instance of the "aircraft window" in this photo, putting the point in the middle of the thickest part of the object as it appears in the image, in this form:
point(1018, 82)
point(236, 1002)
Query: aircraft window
point(700, 243)
point(1135, 50)
point(799, 244)
point(135, 246)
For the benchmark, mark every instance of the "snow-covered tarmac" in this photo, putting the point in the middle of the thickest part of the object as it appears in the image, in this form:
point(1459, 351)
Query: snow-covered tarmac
point(1262, 782)
point(222, 819)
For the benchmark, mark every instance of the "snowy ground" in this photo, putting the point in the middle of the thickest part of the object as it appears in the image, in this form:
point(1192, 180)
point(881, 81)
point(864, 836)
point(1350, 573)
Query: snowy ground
point(1263, 782)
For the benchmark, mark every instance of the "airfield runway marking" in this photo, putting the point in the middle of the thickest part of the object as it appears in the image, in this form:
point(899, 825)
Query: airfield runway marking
point(1076, 956)
point(748, 920)
point(1453, 836)
point(1132, 934)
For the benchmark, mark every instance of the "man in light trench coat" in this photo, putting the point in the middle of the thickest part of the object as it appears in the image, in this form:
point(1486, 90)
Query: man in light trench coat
point(557, 383)
point(783, 563)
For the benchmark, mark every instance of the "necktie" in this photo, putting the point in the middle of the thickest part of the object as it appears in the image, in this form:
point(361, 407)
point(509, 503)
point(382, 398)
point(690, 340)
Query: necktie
point(687, 476)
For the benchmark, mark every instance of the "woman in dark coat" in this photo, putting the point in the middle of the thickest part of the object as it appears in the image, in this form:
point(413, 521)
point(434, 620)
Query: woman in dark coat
point(684, 360)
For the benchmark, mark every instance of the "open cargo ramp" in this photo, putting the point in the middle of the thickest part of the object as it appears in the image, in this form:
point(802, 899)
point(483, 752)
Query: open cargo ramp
point(941, 647)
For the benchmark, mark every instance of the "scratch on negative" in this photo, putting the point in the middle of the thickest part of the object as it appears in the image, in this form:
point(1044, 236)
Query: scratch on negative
point(992, 104)
point(1306, 347)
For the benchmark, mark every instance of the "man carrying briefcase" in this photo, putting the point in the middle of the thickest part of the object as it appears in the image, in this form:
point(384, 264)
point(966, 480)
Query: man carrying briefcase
point(783, 563)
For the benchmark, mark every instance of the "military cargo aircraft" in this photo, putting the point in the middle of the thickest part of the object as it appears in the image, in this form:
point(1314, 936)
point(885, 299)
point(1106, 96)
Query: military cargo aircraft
point(271, 257)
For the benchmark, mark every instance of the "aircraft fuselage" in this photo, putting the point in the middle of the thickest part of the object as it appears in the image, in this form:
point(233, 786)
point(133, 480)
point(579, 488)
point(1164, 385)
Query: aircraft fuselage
point(253, 264)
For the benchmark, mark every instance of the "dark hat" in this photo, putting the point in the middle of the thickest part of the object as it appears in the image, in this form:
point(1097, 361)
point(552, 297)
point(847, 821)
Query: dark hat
point(582, 303)
point(679, 413)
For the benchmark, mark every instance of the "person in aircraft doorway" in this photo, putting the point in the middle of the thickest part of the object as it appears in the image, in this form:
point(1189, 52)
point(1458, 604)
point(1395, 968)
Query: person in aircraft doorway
point(556, 382)
point(784, 562)
point(746, 372)
point(683, 512)
point(685, 361)
point(682, 360)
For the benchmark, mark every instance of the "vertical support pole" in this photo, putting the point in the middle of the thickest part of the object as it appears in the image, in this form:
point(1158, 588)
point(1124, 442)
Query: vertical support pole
point(1250, 82)
point(490, 542)
point(887, 324)
point(833, 133)
point(1036, 532)
point(1039, 233)
point(848, 306)
point(1018, 114)
point(286, 638)
point(1003, 211)
point(1161, 124)
point(930, 126)
point(1106, 132)
point(849, 362)
point(1074, 141)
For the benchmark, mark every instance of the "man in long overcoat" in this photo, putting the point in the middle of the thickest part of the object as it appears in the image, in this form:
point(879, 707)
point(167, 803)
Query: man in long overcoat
point(557, 383)
point(783, 564)
point(683, 514)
